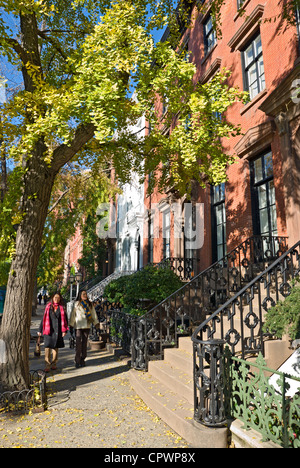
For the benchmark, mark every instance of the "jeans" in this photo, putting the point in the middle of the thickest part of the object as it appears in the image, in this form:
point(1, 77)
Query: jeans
point(81, 345)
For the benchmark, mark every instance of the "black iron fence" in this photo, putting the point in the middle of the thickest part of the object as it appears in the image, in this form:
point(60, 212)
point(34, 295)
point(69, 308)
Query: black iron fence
point(238, 323)
point(32, 399)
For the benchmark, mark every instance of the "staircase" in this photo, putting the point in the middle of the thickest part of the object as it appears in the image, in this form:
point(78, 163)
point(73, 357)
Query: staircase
point(184, 385)
point(96, 291)
point(168, 389)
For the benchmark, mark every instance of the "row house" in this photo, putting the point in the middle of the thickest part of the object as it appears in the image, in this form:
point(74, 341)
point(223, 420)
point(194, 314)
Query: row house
point(262, 193)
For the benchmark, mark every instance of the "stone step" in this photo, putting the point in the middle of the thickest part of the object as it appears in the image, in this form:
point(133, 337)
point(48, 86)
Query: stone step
point(179, 358)
point(186, 344)
point(176, 412)
point(172, 377)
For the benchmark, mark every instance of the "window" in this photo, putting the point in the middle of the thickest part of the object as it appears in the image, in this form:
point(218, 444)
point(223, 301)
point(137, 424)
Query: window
point(210, 37)
point(263, 194)
point(297, 14)
point(150, 239)
point(218, 222)
point(254, 73)
point(166, 234)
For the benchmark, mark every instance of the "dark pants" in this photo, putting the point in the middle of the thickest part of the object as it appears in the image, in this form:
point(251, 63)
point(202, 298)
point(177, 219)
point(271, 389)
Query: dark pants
point(81, 345)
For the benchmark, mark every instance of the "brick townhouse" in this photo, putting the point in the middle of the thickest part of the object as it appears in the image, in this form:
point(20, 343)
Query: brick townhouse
point(262, 194)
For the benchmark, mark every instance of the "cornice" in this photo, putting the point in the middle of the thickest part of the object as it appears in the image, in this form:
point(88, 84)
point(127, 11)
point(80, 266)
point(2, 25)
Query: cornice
point(243, 34)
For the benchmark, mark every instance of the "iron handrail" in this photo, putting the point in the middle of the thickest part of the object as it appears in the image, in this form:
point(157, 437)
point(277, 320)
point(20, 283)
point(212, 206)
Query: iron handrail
point(241, 292)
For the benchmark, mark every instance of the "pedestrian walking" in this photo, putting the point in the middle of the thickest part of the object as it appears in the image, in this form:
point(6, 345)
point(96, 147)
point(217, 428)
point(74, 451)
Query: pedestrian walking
point(40, 297)
point(82, 317)
point(54, 326)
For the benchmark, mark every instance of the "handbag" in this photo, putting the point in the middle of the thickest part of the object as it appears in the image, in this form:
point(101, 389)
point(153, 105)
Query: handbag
point(37, 351)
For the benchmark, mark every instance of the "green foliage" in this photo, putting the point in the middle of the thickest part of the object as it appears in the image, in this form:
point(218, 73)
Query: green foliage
point(93, 249)
point(75, 199)
point(151, 283)
point(4, 272)
point(285, 316)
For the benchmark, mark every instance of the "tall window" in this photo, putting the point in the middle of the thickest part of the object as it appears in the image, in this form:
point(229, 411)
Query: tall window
point(166, 234)
point(263, 194)
point(150, 239)
point(254, 73)
point(297, 14)
point(218, 222)
point(210, 37)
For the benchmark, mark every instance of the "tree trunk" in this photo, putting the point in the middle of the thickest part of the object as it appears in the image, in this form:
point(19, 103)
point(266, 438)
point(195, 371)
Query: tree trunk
point(15, 328)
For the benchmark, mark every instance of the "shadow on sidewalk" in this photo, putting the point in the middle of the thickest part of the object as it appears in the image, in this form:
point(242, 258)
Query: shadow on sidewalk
point(73, 382)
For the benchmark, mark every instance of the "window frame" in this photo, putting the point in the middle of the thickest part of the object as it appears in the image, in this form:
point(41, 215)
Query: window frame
point(206, 36)
point(255, 185)
point(219, 201)
point(255, 61)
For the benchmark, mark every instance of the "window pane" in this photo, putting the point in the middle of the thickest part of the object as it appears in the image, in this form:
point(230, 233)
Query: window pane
point(264, 223)
point(253, 89)
point(273, 219)
point(249, 55)
point(257, 46)
point(220, 252)
point(261, 73)
point(208, 26)
point(258, 170)
point(262, 196)
point(268, 163)
point(219, 214)
point(271, 192)
point(220, 235)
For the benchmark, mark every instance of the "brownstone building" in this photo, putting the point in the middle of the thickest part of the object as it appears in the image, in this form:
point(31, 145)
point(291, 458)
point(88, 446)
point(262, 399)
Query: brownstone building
point(262, 194)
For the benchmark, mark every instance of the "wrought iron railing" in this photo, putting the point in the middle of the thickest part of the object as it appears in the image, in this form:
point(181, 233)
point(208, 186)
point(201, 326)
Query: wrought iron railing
point(238, 323)
point(189, 306)
point(184, 268)
point(272, 410)
point(32, 399)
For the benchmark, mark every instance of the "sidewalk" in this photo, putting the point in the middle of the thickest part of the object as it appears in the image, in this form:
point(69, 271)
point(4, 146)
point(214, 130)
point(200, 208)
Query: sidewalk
point(90, 407)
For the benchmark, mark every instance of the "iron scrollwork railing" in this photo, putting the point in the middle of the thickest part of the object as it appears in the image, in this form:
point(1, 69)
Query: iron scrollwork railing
point(32, 399)
point(272, 410)
point(238, 324)
point(184, 268)
point(200, 297)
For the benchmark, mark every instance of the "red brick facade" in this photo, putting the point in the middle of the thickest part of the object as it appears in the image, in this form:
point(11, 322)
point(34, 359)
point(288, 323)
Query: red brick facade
point(270, 122)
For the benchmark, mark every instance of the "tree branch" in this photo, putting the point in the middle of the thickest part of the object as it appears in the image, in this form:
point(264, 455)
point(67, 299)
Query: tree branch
point(16, 47)
point(52, 41)
point(64, 153)
point(63, 194)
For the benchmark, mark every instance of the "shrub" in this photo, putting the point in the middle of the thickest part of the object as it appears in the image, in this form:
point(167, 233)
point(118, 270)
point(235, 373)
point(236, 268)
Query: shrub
point(151, 283)
point(285, 316)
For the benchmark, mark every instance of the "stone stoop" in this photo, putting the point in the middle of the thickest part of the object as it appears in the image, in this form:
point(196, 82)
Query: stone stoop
point(167, 388)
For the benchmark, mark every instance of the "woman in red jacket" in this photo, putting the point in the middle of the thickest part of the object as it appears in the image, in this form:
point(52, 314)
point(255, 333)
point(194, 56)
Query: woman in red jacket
point(54, 326)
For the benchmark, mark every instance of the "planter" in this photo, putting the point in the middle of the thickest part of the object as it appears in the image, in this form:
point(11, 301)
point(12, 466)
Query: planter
point(96, 345)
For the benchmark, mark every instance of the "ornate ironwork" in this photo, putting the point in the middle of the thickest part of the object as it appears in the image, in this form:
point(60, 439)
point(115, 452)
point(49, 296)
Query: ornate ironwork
point(239, 321)
point(200, 297)
point(120, 329)
point(32, 399)
point(184, 268)
point(251, 398)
